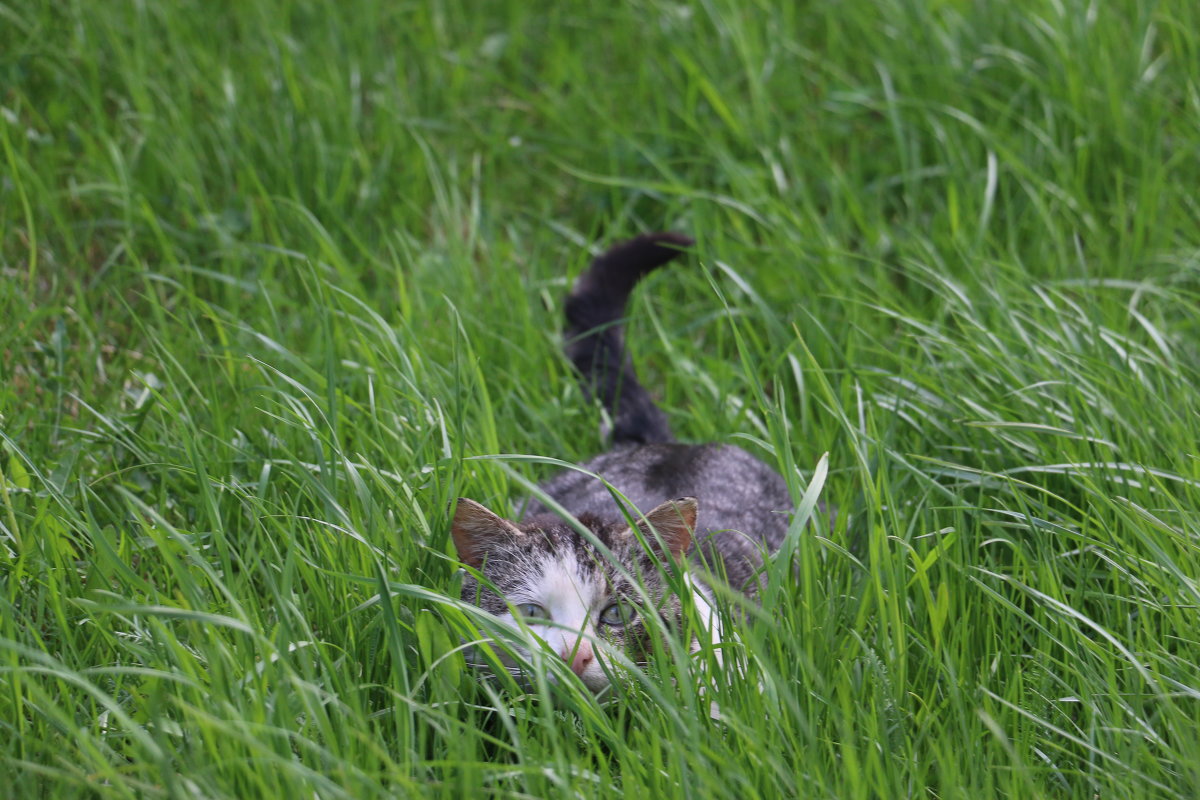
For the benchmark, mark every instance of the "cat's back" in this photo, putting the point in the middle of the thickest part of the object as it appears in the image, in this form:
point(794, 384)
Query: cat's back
point(738, 491)
point(743, 503)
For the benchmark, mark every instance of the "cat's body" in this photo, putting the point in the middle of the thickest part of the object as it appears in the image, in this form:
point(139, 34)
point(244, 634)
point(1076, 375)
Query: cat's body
point(715, 505)
point(743, 503)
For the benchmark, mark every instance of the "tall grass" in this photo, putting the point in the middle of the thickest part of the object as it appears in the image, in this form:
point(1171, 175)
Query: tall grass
point(279, 280)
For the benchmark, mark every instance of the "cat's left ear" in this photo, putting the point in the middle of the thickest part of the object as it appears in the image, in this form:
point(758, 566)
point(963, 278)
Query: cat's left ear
point(674, 520)
point(476, 530)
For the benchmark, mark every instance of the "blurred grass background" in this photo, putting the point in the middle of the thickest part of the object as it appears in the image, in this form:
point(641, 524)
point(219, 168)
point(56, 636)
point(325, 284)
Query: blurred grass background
point(273, 273)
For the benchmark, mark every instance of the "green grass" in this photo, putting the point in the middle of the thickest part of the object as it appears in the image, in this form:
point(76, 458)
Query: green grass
point(273, 275)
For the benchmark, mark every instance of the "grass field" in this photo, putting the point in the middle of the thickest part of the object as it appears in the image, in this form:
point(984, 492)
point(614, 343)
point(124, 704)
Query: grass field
point(278, 279)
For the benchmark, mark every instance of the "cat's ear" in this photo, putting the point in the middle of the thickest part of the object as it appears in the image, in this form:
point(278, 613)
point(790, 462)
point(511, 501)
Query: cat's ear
point(674, 520)
point(476, 530)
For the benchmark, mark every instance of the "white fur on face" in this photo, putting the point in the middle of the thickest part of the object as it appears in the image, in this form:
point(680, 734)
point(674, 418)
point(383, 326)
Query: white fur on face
point(573, 603)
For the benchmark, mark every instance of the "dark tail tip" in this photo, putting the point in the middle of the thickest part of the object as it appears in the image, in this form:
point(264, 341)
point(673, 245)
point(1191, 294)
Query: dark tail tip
point(615, 272)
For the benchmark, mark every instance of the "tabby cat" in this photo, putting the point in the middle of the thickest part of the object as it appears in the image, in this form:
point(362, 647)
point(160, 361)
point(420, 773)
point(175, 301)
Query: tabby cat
point(714, 505)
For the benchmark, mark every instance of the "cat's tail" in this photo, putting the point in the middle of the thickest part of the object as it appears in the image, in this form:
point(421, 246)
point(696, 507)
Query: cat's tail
point(594, 341)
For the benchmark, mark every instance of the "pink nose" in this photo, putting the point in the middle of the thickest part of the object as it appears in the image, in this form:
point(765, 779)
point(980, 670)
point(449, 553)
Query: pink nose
point(583, 656)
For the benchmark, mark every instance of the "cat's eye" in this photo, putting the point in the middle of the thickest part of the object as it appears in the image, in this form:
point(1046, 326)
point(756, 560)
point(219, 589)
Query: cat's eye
point(531, 612)
point(621, 612)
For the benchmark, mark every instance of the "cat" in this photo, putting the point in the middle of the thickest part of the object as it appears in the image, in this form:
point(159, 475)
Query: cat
point(713, 505)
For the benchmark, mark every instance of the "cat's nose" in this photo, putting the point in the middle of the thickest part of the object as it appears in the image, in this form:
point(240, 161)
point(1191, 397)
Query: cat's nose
point(581, 658)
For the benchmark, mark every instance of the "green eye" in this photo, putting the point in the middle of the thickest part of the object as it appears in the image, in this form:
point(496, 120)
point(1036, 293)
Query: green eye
point(619, 613)
point(531, 611)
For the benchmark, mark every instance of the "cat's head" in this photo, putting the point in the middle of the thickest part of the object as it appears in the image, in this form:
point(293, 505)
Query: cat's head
point(581, 601)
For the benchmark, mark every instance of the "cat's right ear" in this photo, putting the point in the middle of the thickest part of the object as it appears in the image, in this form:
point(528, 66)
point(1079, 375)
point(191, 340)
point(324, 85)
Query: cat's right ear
point(476, 530)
